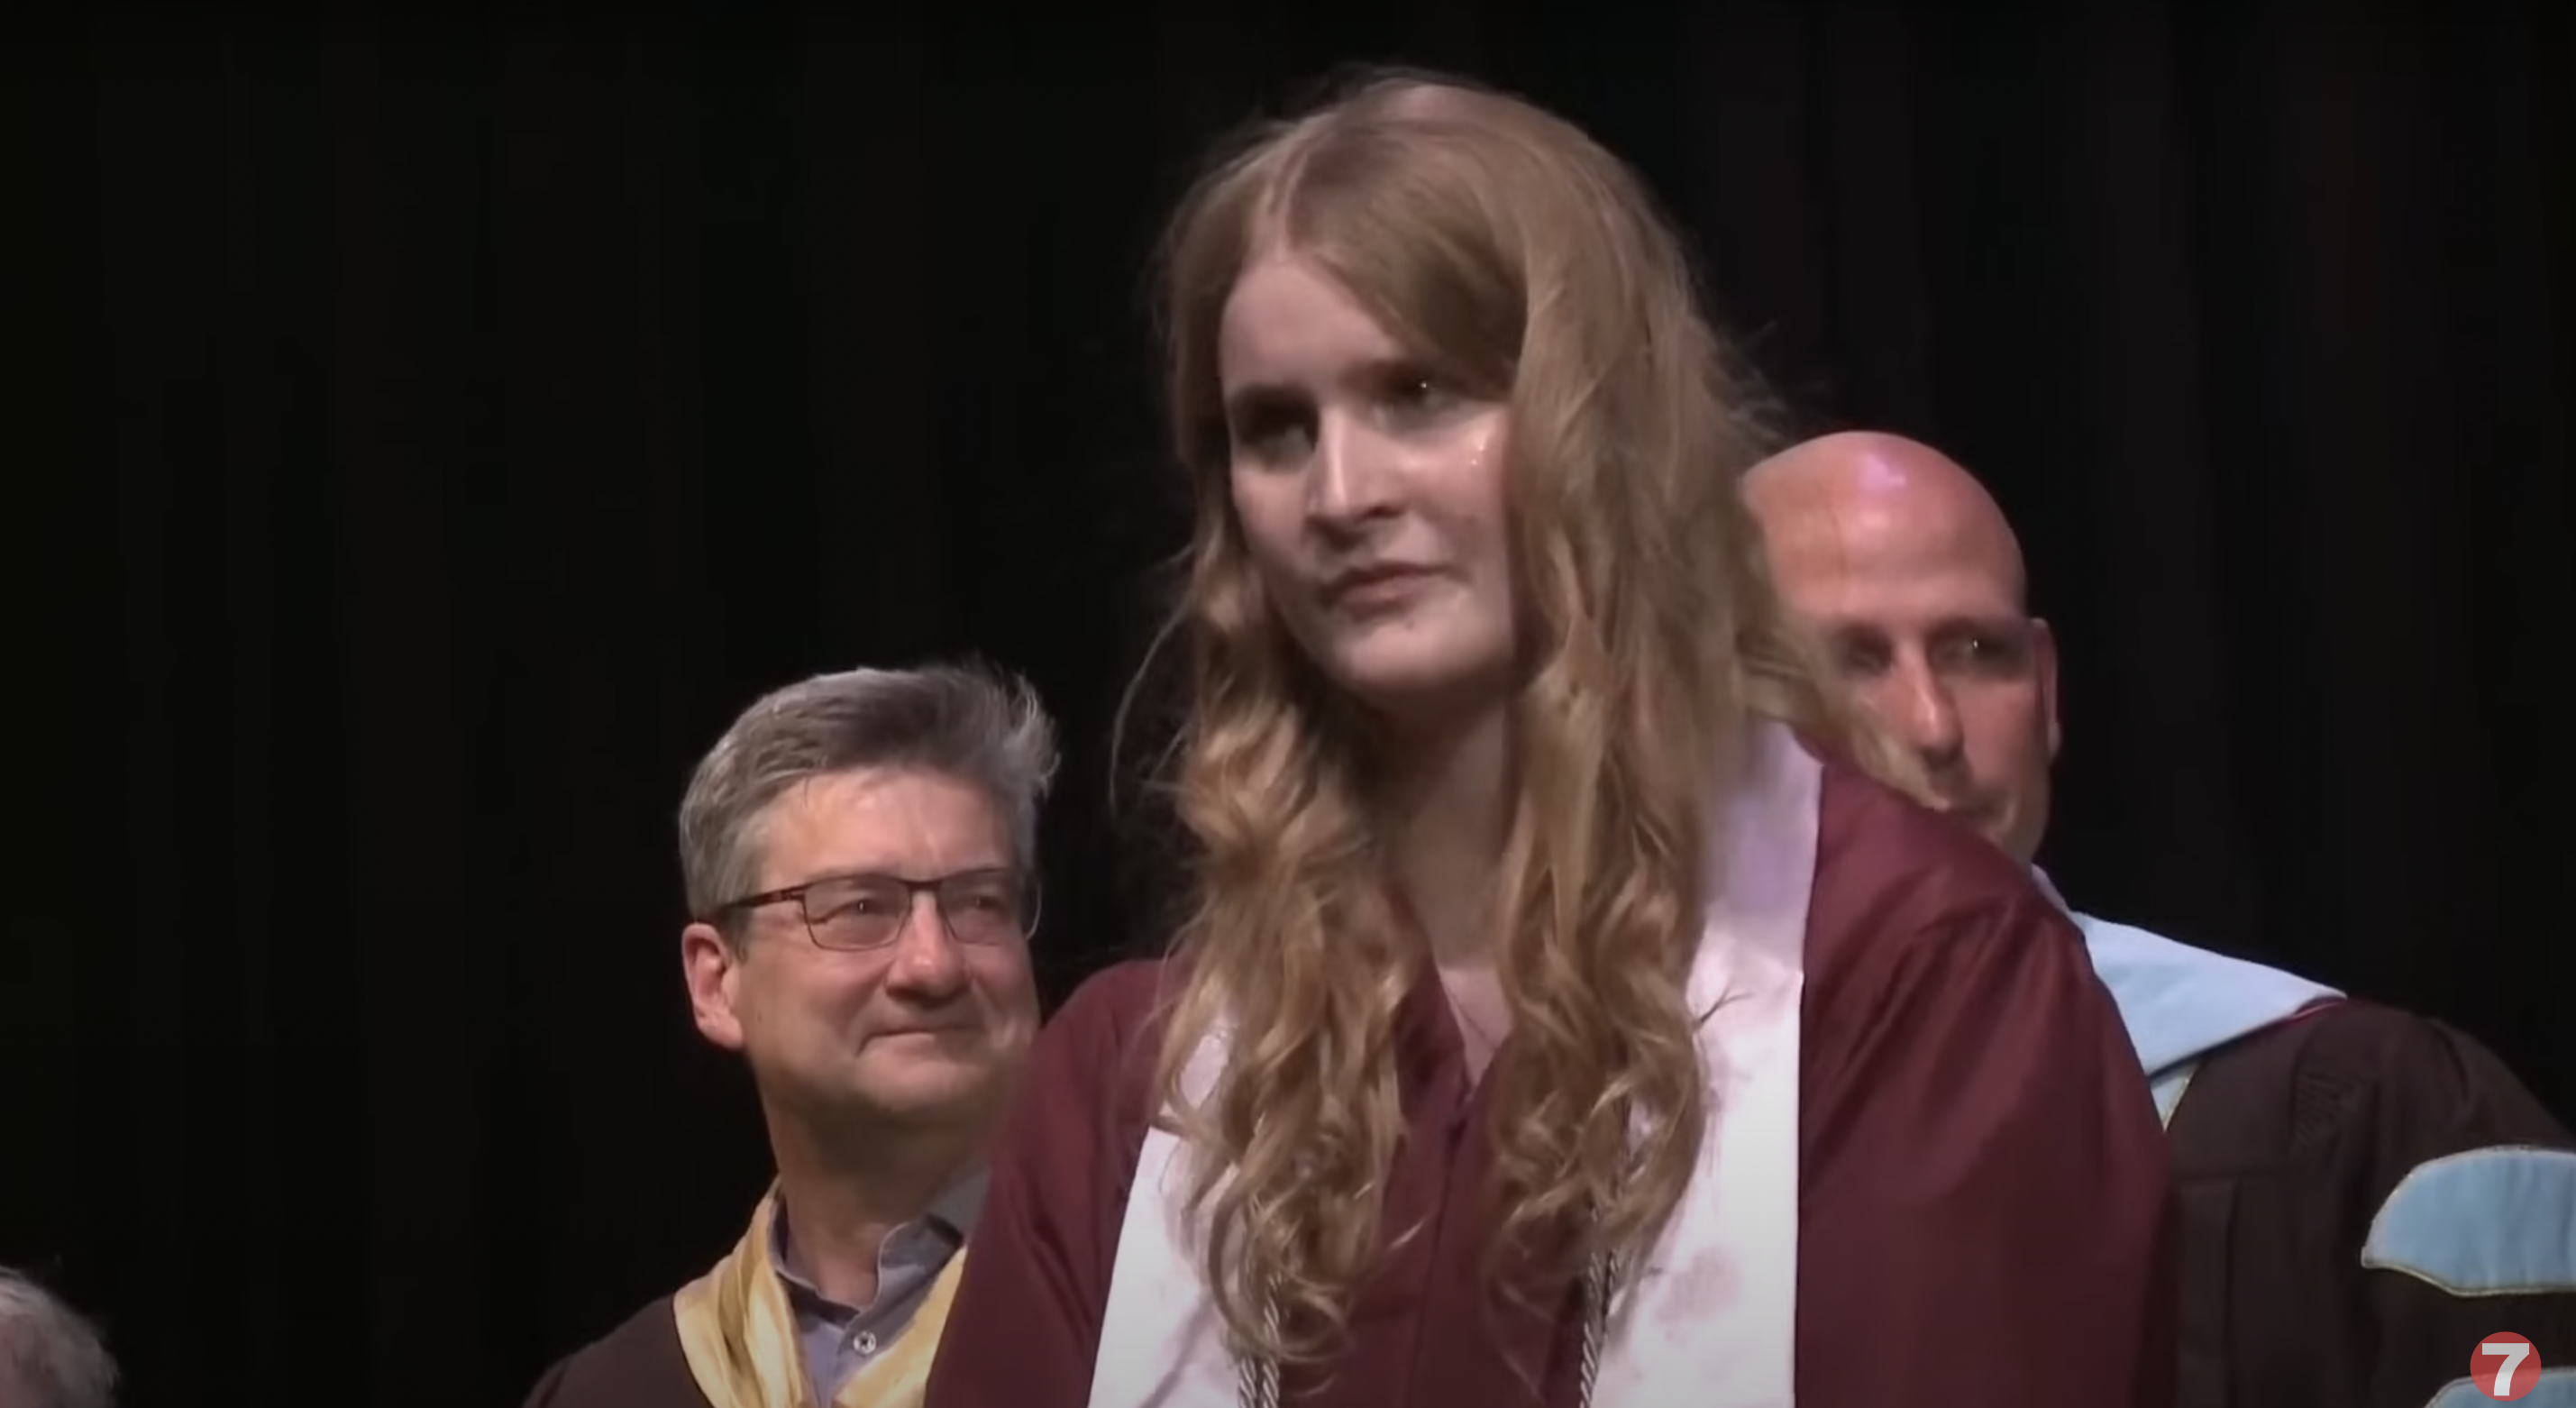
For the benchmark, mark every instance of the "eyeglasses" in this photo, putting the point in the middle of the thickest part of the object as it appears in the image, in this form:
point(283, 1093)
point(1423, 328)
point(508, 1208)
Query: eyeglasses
point(852, 913)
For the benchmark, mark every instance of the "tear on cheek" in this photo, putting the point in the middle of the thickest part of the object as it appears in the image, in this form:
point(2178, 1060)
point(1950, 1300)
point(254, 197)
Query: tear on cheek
point(1487, 445)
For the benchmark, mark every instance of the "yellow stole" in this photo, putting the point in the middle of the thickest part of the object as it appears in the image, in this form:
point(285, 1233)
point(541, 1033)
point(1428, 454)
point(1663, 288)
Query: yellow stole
point(740, 1336)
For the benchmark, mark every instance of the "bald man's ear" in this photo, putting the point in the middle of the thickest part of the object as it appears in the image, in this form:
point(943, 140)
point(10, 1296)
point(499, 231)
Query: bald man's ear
point(2043, 662)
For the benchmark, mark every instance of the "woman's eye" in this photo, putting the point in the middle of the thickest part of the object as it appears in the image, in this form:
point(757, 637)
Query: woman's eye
point(1417, 396)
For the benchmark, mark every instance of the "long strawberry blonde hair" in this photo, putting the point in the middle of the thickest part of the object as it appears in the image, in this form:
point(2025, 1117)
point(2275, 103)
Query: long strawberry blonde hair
point(1517, 258)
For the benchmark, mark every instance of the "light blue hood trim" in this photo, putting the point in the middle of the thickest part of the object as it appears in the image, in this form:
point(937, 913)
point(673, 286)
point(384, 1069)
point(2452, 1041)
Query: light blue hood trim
point(2181, 1002)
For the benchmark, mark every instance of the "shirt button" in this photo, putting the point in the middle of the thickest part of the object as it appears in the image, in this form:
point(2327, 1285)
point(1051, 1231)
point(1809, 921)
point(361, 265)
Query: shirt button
point(866, 1343)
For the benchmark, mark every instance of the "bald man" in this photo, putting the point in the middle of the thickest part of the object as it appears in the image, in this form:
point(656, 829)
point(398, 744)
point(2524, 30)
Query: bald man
point(2366, 1195)
point(50, 1356)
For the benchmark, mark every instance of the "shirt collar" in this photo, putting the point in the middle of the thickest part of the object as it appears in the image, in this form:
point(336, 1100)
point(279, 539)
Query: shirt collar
point(953, 1213)
point(959, 1207)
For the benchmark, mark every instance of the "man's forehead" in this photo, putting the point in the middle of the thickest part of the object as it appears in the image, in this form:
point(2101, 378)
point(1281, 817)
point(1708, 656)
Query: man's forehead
point(1922, 605)
point(1900, 578)
point(1864, 519)
point(876, 819)
point(1880, 539)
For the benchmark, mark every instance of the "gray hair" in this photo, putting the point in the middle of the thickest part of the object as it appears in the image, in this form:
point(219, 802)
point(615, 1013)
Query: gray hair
point(980, 726)
point(49, 1356)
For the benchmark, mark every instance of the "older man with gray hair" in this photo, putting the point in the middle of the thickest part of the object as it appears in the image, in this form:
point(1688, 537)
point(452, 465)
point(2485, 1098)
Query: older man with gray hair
point(49, 1356)
point(859, 852)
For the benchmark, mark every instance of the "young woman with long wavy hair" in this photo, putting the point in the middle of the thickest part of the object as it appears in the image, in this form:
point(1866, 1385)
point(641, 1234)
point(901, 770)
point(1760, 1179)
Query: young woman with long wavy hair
point(1564, 1015)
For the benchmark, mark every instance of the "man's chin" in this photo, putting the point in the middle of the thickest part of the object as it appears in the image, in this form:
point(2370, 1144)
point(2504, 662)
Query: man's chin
point(922, 1083)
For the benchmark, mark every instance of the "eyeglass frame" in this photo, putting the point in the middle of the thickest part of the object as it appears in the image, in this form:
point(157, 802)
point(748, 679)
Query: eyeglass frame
point(1024, 883)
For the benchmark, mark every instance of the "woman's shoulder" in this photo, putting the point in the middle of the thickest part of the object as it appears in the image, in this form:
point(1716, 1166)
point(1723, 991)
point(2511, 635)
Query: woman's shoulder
point(1118, 1002)
point(1893, 876)
point(1110, 1029)
point(1874, 840)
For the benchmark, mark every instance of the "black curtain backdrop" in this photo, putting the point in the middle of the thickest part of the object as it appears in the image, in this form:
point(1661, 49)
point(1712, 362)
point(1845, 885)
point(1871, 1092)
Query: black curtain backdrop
point(433, 428)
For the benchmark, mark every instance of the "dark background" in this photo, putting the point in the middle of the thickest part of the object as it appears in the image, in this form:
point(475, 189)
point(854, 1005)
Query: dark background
point(431, 429)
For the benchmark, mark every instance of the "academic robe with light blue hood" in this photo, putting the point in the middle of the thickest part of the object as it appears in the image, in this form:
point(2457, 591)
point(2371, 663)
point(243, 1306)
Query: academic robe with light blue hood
point(2366, 1194)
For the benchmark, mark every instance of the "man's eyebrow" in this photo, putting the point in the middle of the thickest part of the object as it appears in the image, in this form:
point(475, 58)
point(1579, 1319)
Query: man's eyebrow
point(1845, 631)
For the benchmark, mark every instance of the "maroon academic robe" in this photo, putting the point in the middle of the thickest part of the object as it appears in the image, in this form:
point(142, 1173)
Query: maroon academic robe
point(2287, 1146)
point(1983, 1181)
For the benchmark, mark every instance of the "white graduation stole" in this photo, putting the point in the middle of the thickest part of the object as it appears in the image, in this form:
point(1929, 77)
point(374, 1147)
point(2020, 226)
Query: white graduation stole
point(1710, 1316)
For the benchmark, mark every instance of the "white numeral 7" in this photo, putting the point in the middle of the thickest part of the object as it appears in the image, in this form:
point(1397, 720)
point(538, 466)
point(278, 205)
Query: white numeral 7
point(2512, 1355)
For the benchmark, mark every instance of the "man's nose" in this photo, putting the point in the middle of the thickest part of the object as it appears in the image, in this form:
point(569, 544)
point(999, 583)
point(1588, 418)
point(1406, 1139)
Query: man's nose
point(1926, 716)
point(925, 953)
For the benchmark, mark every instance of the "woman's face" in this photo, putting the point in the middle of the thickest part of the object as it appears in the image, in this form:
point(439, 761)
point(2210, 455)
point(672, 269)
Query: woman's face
point(1371, 496)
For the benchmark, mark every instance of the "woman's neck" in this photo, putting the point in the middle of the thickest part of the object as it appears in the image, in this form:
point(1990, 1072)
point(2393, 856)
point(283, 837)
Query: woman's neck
point(1455, 800)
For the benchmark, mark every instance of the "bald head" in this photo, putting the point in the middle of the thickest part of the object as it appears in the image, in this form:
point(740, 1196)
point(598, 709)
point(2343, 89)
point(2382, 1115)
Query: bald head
point(1867, 493)
point(1906, 566)
point(49, 1356)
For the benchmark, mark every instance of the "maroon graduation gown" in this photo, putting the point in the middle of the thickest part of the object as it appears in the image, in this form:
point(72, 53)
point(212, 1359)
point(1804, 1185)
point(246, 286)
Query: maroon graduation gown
point(1983, 1181)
